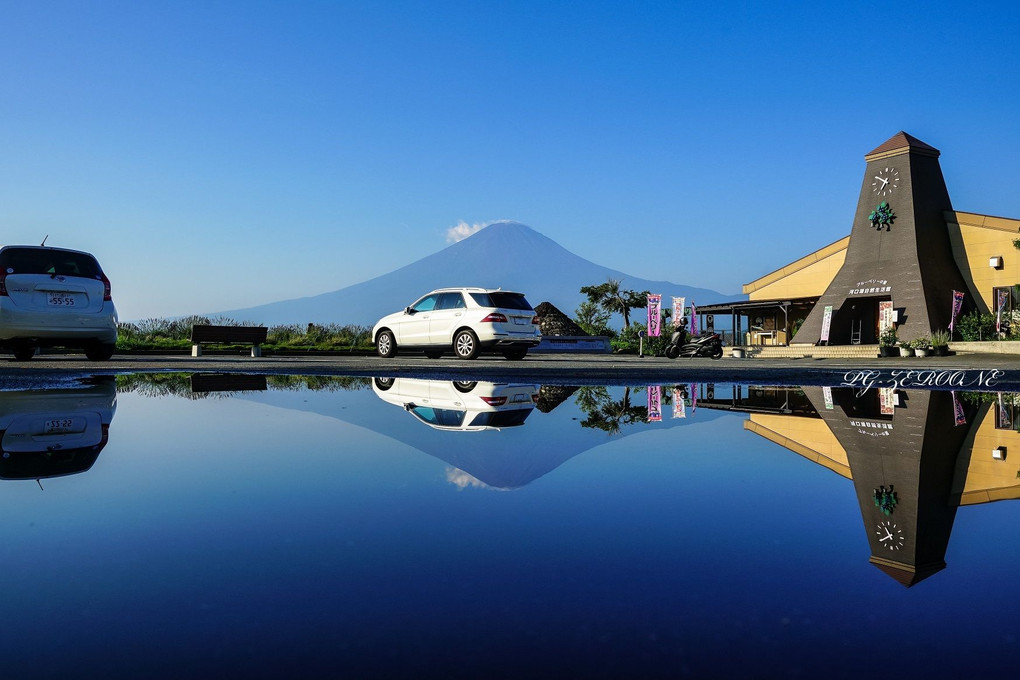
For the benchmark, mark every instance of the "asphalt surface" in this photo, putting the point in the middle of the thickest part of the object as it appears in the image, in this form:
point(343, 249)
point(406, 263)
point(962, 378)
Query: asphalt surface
point(961, 371)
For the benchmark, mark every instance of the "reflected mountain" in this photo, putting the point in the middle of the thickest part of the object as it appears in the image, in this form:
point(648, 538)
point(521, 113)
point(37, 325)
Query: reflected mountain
point(54, 432)
point(914, 458)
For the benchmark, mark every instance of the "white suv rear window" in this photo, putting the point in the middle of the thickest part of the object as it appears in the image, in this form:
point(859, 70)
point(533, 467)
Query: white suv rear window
point(502, 300)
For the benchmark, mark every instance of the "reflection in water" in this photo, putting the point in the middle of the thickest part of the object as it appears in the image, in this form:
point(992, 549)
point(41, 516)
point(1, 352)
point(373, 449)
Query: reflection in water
point(54, 432)
point(312, 529)
point(914, 458)
point(460, 406)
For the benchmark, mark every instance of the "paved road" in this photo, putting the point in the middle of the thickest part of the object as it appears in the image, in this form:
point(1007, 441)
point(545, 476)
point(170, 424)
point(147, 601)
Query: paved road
point(985, 371)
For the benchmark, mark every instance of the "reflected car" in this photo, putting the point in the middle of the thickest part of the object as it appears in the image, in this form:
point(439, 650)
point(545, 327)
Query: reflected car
point(55, 297)
point(466, 321)
point(460, 406)
point(54, 432)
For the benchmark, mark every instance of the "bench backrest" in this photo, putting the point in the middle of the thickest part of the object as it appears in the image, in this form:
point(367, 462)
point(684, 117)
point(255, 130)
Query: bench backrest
point(255, 335)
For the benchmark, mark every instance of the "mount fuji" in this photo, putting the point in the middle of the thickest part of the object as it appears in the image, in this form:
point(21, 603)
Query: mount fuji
point(506, 255)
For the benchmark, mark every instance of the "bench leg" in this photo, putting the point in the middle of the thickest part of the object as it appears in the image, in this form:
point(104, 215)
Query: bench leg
point(256, 351)
point(196, 350)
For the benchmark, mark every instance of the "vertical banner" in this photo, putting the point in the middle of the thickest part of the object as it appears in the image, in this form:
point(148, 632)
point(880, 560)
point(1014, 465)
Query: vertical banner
point(678, 311)
point(1000, 306)
point(957, 306)
point(958, 414)
point(1005, 422)
point(886, 403)
point(679, 407)
point(654, 403)
point(694, 319)
point(885, 315)
point(826, 323)
point(694, 394)
point(654, 303)
point(827, 393)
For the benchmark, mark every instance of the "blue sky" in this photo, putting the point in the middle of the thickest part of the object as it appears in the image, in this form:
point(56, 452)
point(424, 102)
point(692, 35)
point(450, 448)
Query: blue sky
point(217, 155)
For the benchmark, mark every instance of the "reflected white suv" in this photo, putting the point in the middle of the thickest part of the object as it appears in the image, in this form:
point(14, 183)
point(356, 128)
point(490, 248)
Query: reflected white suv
point(464, 320)
point(53, 296)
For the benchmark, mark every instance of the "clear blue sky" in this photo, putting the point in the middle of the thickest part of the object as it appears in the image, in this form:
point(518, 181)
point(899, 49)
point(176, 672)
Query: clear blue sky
point(217, 155)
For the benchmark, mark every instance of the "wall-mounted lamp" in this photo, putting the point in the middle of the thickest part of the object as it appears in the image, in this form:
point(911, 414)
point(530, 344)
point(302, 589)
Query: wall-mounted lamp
point(995, 262)
point(999, 453)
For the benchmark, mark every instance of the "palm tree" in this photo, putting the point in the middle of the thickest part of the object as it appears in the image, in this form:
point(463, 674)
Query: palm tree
point(611, 298)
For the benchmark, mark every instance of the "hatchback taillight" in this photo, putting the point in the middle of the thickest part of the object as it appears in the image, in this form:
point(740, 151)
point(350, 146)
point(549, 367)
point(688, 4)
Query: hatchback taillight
point(495, 317)
point(494, 401)
point(106, 287)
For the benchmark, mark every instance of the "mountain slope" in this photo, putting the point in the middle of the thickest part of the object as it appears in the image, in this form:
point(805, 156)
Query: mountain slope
point(505, 255)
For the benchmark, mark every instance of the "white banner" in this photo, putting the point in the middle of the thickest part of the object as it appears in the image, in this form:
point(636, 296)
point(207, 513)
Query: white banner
point(826, 322)
point(678, 310)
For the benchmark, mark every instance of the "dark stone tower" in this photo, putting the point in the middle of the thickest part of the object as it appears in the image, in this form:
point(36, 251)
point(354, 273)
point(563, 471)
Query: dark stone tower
point(906, 257)
point(912, 452)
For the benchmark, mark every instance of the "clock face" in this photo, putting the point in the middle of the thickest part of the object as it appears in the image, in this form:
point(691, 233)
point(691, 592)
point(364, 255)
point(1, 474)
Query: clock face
point(885, 181)
point(890, 535)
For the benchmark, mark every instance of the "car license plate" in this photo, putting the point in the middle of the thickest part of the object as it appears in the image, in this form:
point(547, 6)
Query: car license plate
point(58, 425)
point(519, 398)
point(60, 300)
point(521, 320)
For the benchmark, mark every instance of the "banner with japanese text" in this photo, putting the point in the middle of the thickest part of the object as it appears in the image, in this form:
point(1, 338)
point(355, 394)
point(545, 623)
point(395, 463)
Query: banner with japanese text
point(957, 306)
point(678, 311)
point(654, 303)
point(1000, 307)
point(694, 319)
point(827, 395)
point(958, 414)
point(886, 400)
point(654, 403)
point(826, 322)
point(885, 315)
point(679, 406)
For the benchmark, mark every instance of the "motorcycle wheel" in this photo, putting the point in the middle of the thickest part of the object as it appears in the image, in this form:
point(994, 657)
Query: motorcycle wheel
point(672, 352)
point(717, 354)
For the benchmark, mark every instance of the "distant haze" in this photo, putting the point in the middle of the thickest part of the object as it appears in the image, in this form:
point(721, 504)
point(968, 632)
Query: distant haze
point(506, 255)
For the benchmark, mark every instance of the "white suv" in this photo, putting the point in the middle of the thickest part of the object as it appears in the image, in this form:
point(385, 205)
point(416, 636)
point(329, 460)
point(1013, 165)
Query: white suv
point(460, 406)
point(53, 296)
point(465, 320)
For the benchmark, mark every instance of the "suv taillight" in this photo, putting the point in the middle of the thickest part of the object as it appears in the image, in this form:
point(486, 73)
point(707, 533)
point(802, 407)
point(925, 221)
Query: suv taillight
point(495, 317)
point(106, 287)
point(494, 401)
point(534, 320)
point(3, 285)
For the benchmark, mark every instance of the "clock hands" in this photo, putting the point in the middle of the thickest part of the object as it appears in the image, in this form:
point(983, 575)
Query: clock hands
point(882, 180)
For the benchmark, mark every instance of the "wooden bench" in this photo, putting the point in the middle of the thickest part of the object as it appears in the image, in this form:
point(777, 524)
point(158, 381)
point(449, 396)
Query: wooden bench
point(229, 335)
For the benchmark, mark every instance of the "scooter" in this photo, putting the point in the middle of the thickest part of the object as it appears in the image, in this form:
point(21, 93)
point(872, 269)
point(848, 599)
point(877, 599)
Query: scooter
point(705, 346)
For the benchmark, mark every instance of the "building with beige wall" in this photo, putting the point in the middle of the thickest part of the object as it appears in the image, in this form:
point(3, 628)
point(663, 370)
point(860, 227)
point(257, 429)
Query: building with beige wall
point(914, 260)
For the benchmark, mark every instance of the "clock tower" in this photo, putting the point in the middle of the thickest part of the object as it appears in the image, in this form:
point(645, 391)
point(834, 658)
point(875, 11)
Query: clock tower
point(899, 251)
point(903, 462)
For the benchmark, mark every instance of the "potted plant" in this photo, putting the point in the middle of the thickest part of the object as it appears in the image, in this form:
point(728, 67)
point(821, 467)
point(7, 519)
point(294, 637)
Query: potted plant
point(906, 349)
point(939, 343)
point(920, 345)
point(887, 342)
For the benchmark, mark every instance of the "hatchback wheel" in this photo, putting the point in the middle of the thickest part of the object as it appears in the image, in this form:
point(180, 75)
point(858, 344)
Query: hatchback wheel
point(385, 345)
point(465, 344)
point(99, 351)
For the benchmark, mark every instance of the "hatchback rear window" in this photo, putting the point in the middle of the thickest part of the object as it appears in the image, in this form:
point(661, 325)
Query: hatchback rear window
point(48, 261)
point(502, 300)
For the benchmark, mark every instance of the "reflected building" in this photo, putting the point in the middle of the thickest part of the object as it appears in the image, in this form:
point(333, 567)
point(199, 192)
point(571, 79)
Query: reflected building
point(55, 432)
point(914, 458)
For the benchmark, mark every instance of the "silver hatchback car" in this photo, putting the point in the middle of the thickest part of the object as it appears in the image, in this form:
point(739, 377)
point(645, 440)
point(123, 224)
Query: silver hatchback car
point(55, 297)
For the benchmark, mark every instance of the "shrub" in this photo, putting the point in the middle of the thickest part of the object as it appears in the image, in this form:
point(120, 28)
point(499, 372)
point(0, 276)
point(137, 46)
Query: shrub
point(976, 326)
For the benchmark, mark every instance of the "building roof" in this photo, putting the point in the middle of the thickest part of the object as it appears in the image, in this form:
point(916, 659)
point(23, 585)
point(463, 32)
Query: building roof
point(900, 141)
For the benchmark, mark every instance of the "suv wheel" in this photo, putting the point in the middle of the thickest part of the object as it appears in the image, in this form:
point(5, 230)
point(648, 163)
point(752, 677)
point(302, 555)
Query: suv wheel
point(465, 344)
point(24, 352)
point(385, 345)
